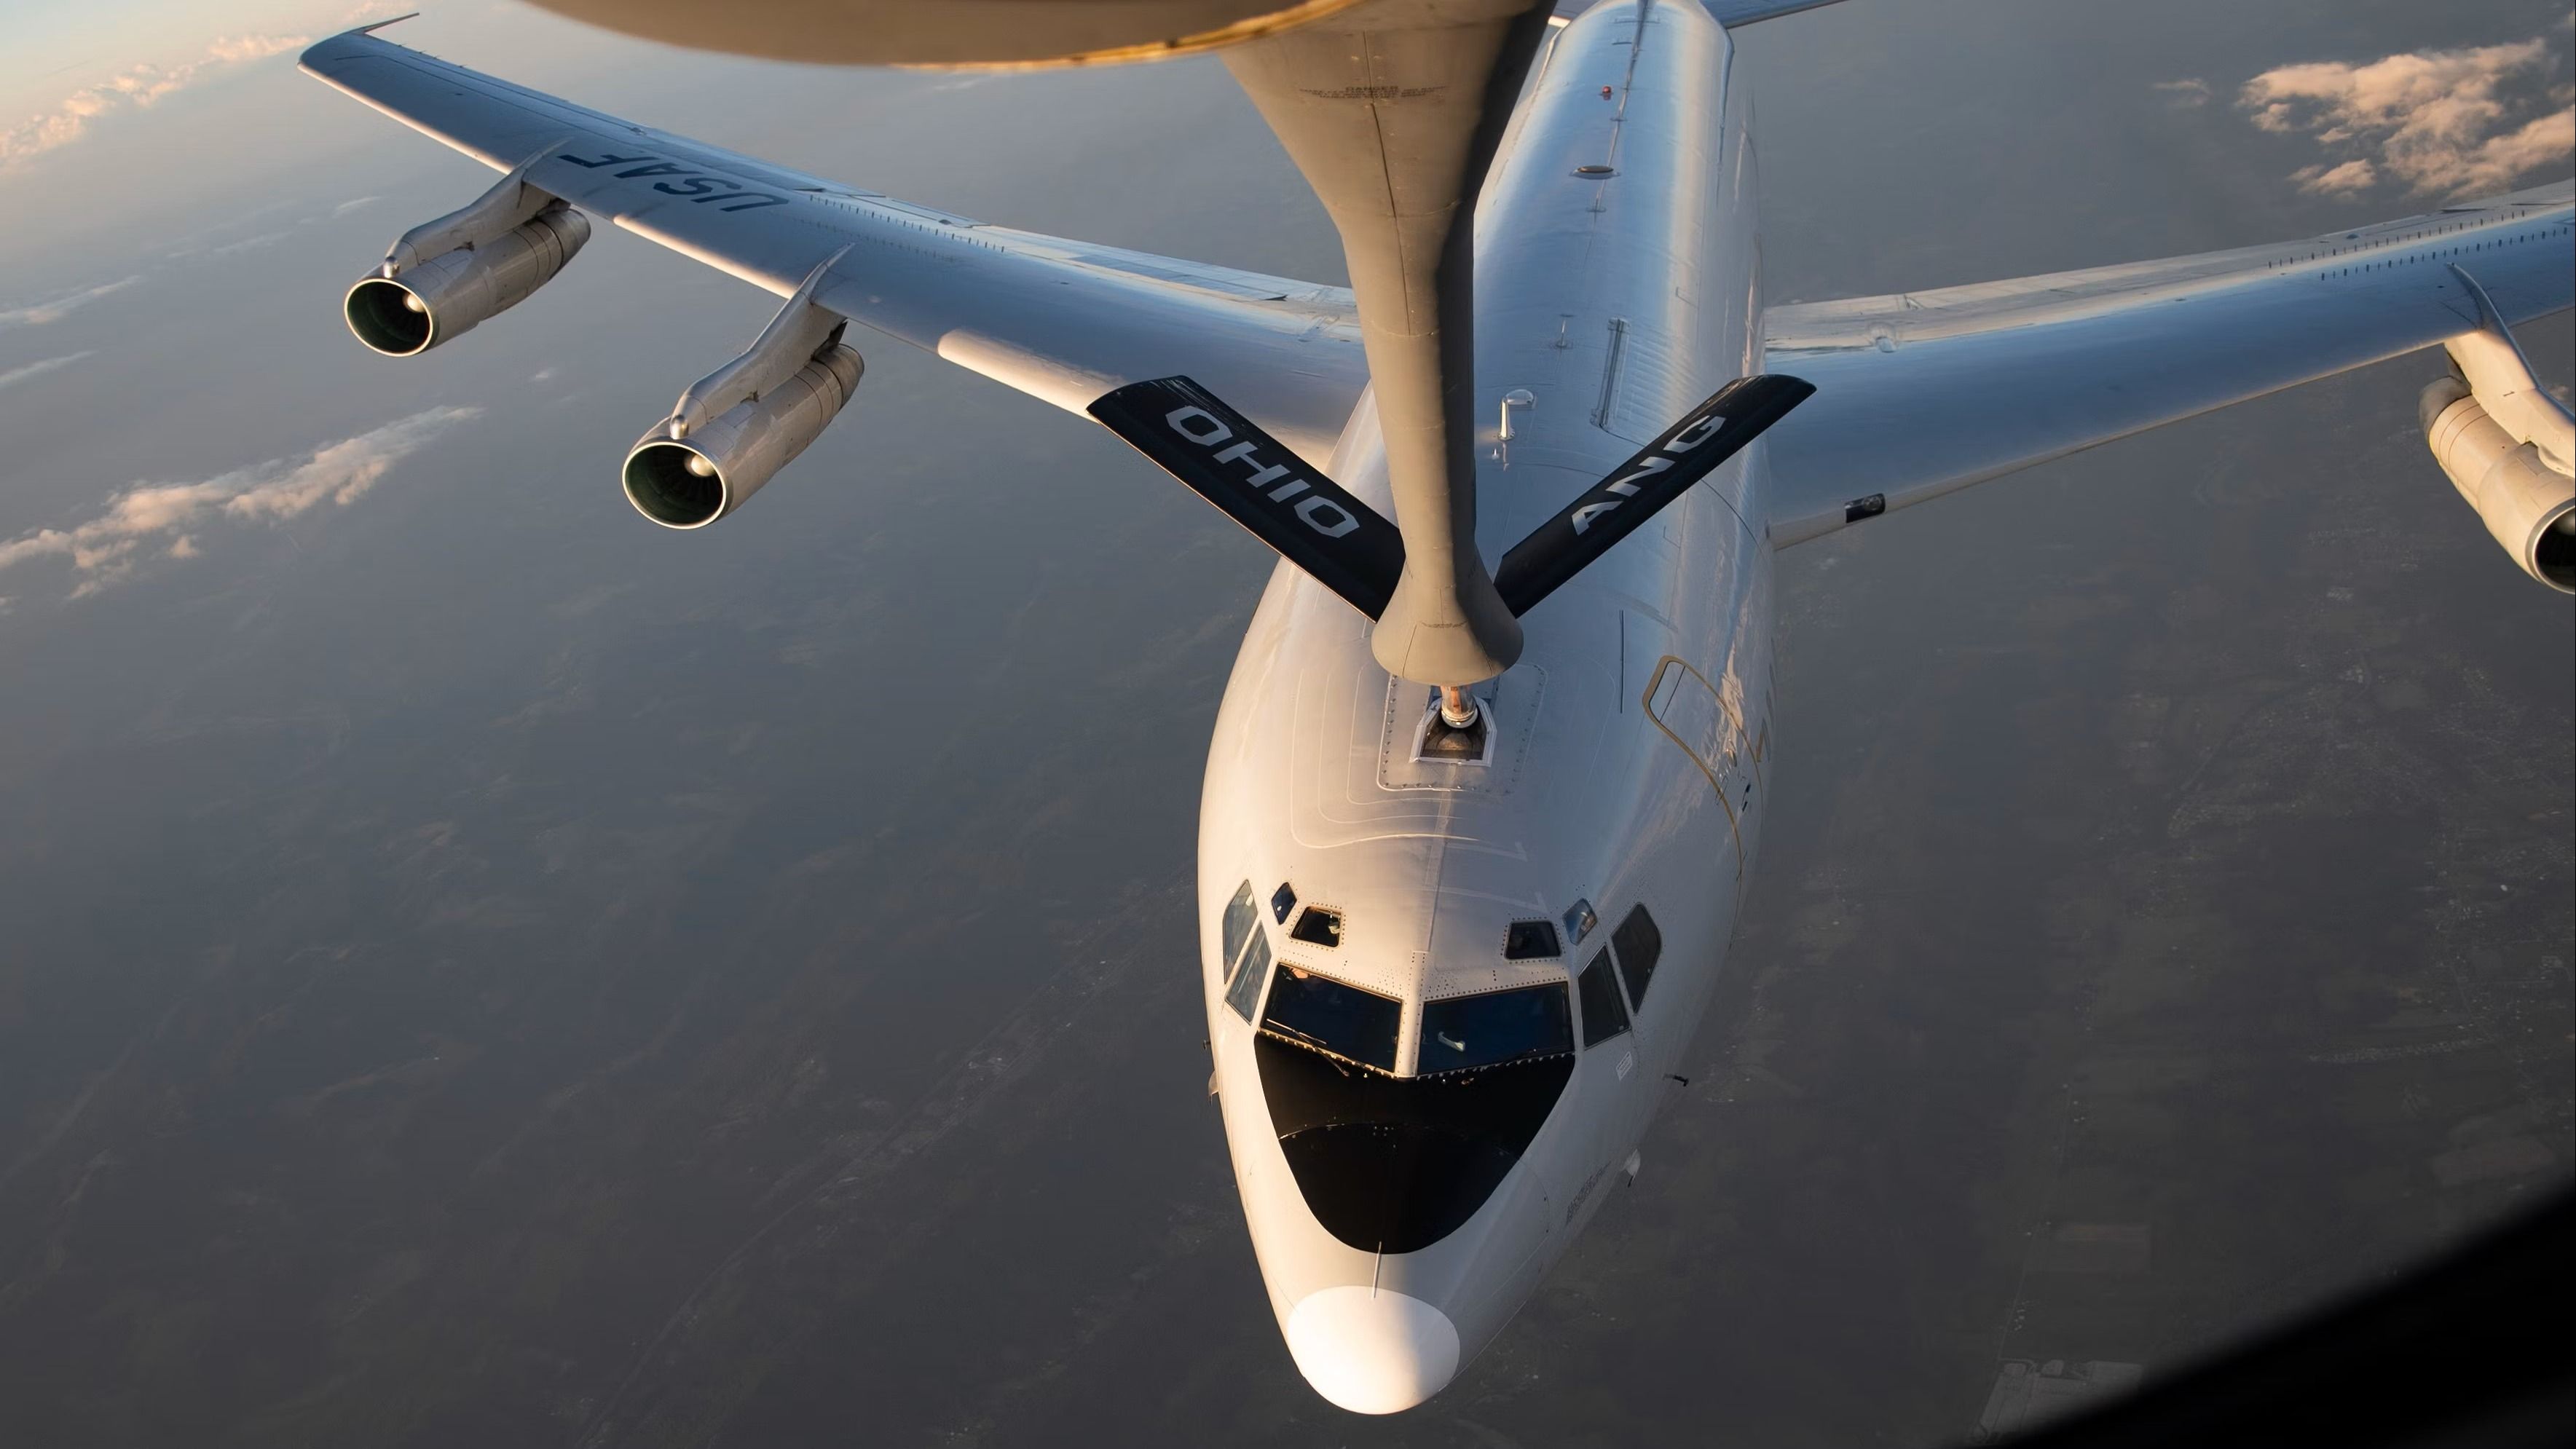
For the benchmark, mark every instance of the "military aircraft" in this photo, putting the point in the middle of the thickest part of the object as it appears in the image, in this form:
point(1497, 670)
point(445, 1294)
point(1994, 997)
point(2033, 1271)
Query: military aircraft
point(1488, 780)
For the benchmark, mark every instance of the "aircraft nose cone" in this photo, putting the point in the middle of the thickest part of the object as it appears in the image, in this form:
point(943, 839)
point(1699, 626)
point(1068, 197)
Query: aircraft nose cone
point(1372, 1352)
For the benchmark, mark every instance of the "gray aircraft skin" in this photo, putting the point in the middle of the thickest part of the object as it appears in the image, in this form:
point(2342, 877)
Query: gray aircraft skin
point(1448, 970)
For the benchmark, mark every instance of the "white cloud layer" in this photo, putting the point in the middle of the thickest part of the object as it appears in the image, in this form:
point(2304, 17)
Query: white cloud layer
point(2455, 122)
point(133, 87)
point(37, 314)
point(16, 375)
point(168, 515)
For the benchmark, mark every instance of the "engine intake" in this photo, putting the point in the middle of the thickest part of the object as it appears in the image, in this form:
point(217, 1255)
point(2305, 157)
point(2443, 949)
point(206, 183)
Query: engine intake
point(440, 278)
point(446, 296)
point(2508, 445)
point(737, 426)
point(2528, 506)
point(691, 481)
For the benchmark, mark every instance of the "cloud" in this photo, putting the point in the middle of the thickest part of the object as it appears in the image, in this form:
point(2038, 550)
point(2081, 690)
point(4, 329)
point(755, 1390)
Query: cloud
point(248, 244)
point(16, 375)
point(134, 87)
point(2459, 122)
point(353, 204)
point(37, 314)
point(2189, 93)
point(106, 548)
point(2343, 180)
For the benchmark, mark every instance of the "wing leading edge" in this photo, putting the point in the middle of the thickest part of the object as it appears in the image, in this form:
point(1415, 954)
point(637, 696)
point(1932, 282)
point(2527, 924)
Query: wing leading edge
point(1063, 321)
point(1920, 394)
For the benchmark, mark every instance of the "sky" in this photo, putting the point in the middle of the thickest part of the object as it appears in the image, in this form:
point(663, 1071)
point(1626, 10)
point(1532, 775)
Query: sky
point(478, 967)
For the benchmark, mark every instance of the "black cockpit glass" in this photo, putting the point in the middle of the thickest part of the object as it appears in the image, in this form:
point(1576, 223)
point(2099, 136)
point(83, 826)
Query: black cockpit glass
point(1245, 992)
point(1466, 1032)
point(1639, 944)
point(1395, 1164)
point(1321, 1013)
point(1239, 916)
point(1317, 926)
point(1604, 1014)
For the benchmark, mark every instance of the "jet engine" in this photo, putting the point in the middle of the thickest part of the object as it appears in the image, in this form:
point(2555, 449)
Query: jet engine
point(736, 427)
point(2506, 444)
point(442, 277)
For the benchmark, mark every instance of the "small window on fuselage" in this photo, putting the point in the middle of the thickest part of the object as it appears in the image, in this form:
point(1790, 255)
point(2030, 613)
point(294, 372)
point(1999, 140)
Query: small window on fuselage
point(1638, 943)
point(1239, 916)
point(1318, 926)
point(1245, 993)
point(1604, 1014)
point(1466, 1032)
point(1344, 1021)
point(1529, 941)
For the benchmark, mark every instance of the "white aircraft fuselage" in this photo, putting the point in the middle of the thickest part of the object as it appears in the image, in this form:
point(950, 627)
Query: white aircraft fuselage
point(1403, 1205)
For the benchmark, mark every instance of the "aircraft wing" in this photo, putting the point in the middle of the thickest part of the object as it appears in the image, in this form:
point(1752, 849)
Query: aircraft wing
point(1061, 320)
point(1923, 393)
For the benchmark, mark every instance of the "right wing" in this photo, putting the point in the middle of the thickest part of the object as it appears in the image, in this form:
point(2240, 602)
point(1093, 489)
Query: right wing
point(1923, 393)
point(1063, 321)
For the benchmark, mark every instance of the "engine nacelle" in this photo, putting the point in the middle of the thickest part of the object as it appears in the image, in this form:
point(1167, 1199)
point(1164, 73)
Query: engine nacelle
point(400, 313)
point(738, 425)
point(693, 480)
point(2528, 506)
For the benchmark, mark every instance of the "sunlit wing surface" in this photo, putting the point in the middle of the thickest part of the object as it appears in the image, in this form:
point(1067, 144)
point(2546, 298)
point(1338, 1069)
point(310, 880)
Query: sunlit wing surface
point(1922, 393)
point(1060, 320)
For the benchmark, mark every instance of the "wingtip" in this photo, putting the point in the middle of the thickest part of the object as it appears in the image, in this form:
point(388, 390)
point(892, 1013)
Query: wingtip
point(327, 47)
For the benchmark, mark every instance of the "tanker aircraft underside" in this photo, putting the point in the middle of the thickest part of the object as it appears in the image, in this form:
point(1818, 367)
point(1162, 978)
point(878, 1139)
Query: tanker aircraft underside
point(1489, 776)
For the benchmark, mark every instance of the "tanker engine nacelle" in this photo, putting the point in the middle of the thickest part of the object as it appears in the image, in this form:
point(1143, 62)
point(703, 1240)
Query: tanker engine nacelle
point(736, 427)
point(2507, 446)
point(444, 276)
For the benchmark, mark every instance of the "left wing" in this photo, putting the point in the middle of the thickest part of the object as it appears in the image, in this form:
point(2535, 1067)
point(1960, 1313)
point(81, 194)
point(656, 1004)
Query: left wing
point(1923, 393)
point(1063, 321)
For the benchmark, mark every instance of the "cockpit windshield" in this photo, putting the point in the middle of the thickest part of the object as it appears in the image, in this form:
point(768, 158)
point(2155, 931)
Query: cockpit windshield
point(1319, 1012)
point(1466, 1032)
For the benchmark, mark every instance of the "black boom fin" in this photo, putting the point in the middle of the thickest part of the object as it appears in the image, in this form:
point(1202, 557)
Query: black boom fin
point(1311, 520)
point(1615, 507)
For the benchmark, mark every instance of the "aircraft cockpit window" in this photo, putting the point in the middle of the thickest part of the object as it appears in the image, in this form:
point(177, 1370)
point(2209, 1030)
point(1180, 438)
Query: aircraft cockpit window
point(1638, 943)
point(1579, 922)
point(1239, 915)
point(1245, 993)
point(1530, 941)
point(1318, 926)
point(1466, 1032)
point(1343, 1021)
point(1604, 1014)
point(1282, 901)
